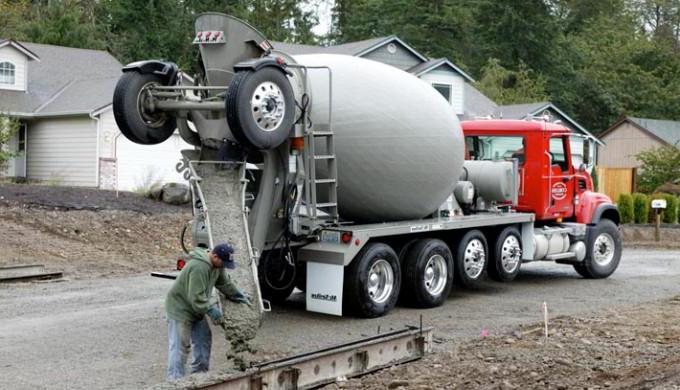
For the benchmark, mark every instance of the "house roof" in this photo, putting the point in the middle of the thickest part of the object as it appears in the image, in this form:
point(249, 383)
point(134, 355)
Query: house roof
point(665, 131)
point(433, 64)
point(66, 81)
point(20, 47)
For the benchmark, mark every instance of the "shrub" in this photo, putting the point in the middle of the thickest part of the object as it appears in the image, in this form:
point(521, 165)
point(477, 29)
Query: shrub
point(670, 215)
point(625, 204)
point(640, 207)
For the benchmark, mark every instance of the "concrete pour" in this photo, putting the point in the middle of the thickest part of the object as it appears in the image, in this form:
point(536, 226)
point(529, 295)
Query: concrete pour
point(223, 191)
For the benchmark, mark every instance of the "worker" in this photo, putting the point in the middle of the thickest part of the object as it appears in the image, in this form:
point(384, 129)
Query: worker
point(188, 302)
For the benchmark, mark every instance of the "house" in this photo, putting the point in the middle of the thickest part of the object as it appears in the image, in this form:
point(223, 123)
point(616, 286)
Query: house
point(455, 85)
point(630, 136)
point(62, 97)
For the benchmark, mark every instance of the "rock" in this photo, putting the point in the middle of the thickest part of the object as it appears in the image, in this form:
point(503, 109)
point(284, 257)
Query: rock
point(156, 191)
point(669, 188)
point(176, 193)
point(397, 383)
point(586, 342)
point(563, 361)
point(509, 340)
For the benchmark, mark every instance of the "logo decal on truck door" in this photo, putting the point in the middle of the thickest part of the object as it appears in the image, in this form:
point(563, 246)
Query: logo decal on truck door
point(559, 191)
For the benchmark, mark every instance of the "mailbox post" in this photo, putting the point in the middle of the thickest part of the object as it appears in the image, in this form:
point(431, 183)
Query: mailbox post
point(658, 205)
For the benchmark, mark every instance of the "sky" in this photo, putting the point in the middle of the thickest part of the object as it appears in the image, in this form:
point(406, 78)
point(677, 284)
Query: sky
point(323, 9)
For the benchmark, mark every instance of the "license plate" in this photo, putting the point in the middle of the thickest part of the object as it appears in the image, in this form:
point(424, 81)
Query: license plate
point(330, 236)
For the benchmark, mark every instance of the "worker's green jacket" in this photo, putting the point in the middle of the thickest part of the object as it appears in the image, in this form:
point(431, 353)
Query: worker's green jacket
point(189, 298)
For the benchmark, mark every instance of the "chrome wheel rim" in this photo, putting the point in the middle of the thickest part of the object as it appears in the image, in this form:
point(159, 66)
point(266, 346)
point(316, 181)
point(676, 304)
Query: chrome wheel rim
point(474, 259)
point(380, 281)
point(267, 106)
point(511, 254)
point(435, 275)
point(603, 249)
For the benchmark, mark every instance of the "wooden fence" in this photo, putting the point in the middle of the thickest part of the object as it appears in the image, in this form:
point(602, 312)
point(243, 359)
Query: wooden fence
point(615, 181)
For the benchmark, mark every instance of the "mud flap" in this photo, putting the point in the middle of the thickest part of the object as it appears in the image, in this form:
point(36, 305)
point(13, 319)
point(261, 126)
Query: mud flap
point(324, 288)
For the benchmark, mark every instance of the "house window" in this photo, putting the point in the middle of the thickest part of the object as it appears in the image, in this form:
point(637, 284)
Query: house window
point(444, 89)
point(7, 71)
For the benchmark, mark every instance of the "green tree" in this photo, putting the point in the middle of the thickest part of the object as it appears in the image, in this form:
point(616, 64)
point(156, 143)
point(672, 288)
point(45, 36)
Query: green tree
point(8, 129)
point(64, 23)
point(510, 87)
point(659, 165)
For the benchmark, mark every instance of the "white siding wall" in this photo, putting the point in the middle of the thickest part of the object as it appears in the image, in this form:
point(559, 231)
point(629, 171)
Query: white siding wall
point(20, 62)
point(137, 166)
point(140, 166)
point(441, 76)
point(63, 151)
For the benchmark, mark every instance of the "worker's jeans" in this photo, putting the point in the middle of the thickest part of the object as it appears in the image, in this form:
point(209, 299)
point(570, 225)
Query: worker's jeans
point(181, 337)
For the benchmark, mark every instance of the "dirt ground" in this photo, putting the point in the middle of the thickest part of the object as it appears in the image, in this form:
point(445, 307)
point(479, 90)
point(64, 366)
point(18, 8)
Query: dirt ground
point(634, 348)
point(87, 233)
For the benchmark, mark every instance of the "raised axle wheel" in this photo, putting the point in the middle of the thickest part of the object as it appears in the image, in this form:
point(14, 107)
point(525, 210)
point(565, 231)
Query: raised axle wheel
point(134, 113)
point(471, 259)
point(603, 251)
point(372, 281)
point(507, 255)
point(277, 276)
point(260, 108)
point(428, 273)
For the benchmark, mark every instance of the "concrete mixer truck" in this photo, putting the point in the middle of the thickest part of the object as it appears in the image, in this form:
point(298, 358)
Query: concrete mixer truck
point(348, 178)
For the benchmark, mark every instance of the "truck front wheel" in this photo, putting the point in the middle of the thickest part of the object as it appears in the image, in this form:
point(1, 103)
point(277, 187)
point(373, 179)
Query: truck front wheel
point(428, 273)
point(603, 251)
point(471, 258)
point(372, 281)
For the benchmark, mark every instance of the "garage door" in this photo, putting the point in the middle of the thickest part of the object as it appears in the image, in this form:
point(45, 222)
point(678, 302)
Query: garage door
point(62, 152)
point(140, 166)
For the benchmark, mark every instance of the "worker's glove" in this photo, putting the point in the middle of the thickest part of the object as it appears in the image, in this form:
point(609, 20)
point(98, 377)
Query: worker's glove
point(240, 297)
point(215, 314)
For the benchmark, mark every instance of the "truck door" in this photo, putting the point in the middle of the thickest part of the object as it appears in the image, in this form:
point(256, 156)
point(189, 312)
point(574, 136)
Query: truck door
point(560, 179)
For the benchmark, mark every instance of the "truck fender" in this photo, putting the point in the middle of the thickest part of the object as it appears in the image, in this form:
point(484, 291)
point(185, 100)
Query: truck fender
point(606, 211)
point(259, 63)
point(167, 70)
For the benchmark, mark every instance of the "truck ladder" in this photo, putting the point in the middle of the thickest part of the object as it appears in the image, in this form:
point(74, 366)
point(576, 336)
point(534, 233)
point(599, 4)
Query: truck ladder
point(313, 159)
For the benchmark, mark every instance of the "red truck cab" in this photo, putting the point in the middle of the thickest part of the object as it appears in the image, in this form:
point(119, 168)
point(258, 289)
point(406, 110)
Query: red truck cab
point(549, 184)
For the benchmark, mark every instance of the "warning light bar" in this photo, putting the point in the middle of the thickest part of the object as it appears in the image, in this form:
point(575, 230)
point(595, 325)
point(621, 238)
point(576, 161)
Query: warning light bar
point(209, 37)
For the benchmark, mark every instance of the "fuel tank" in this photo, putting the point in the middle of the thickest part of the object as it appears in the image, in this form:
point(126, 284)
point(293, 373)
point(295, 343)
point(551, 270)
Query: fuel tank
point(398, 142)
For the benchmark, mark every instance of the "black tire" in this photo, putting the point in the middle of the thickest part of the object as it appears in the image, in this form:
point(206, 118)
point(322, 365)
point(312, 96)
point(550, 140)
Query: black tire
point(505, 264)
point(415, 287)
point(357, 298)
point(590, 268)
point(468, 274)
point(243, 125)
point(277, 278)
point(136, 124)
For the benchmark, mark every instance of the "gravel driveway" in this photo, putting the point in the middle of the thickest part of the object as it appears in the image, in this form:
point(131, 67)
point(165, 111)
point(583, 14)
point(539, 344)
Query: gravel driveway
point(110, 333)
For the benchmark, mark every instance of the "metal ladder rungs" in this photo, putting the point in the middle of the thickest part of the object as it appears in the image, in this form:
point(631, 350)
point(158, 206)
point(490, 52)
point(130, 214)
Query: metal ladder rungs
point(324, 181)
point(322, 133)
point(324, 157)
point(328, 204)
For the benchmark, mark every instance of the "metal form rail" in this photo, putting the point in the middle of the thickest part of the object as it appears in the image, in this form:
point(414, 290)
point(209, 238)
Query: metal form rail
point(19, 273)
point(321, 367)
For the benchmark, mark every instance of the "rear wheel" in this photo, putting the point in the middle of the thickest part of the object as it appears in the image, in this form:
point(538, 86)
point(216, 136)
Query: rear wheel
point(471, 258)
point(131, 109)
point(507, 255)
point(260, 108)
point(428, 273)
point(603, 251)
point(372, 281)
point(276, 276)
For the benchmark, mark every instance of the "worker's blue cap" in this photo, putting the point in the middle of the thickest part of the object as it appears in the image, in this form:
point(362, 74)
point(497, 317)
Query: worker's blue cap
point(226, 253)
